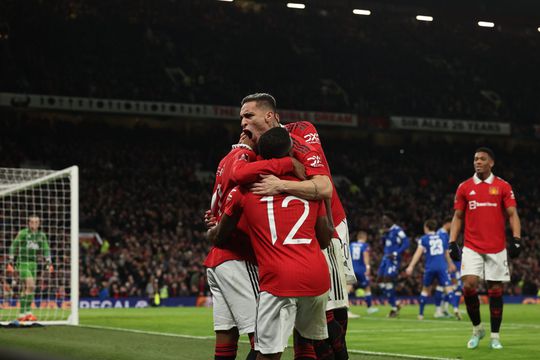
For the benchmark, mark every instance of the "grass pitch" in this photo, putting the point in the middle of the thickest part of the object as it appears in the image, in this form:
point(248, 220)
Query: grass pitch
point(186, 333)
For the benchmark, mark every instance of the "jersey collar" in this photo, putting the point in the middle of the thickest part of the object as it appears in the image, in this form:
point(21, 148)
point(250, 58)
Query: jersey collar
point(489, 180)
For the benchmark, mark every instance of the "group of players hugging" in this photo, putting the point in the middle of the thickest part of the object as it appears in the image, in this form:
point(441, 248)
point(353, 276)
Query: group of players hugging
point(281, 262)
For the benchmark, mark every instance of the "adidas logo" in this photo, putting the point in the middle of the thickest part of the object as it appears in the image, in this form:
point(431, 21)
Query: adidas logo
point(472, 192)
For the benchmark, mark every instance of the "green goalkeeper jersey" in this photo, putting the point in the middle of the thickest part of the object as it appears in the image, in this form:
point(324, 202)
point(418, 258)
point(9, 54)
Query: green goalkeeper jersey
point(27, 246)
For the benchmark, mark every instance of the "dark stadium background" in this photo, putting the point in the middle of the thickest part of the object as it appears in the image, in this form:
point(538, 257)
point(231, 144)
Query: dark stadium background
point(146, 178)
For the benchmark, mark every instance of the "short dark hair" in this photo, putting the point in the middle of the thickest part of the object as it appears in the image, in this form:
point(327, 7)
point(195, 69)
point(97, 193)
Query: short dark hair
point(487, 151)
point(447, 219)
point(431, 224)
point(275, 143)
point(261, 98)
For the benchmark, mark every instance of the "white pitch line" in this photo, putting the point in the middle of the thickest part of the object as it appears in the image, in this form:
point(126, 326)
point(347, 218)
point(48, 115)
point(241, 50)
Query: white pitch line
point(399, 355)
point(211, 338)
point(397, 321)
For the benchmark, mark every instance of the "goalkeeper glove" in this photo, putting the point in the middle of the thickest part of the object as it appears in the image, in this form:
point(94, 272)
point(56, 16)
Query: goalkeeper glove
point(514, 247)
point(455, 252)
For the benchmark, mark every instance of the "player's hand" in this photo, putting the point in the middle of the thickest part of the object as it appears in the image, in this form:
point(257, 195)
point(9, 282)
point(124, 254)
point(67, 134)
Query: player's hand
point(299, 169)
point(209, 219)
point(51, 268)
point(452, 268)
point(244, 139)
point(409, 271)
point(269, 185)
point(514, 247)
point(211, 234)
point(455, 251)
point(10, 268)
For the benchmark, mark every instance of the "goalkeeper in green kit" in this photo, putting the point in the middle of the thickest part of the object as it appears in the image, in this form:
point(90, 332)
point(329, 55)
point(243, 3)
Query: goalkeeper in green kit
point(25, 248)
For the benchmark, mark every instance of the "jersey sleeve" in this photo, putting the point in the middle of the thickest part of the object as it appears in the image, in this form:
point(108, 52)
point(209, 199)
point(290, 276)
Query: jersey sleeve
point(403, 240)
point(247, 172)
point(15, 245)
point(234, 202)
point(509, 200)
point(460, 202)
point(45, 246)
point(309, 157)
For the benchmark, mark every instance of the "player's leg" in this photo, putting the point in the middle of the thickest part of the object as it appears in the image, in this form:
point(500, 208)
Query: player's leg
point(310, 325)
point(472, 269)
point(391, 278)
point(439, 294)
point(422, 302)
point(337, 299)
point(369, 300)
point(233, 285)
point(496, 272)
point(275, 322)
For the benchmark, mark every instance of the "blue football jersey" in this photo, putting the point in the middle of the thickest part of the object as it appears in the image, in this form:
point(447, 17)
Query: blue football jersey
point(395, 240)
point(357, 255)
point(435, 250)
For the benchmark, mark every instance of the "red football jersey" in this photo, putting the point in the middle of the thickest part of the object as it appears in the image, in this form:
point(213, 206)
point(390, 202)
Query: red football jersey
point(238, 247)
point(282, 232)
point(484, 204)
point(308, 132)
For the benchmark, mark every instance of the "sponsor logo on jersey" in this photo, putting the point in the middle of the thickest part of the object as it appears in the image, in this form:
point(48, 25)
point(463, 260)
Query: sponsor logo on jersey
point(32, 245)
point(472, 192)
point(473, 204)
point(312, 138)
point(219, 171)
point(493, 190)
point(315, 161)
point(512, 194)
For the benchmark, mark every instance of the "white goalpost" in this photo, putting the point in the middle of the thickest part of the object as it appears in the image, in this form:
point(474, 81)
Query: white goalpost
point(39, 246)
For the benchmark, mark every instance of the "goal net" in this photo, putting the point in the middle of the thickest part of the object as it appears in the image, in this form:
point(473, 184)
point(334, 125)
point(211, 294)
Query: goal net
point(39, 225)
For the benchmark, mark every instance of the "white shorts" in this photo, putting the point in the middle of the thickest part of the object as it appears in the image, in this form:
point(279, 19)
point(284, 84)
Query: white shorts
point(278, 316)
point(491, 267)
point(234, 285)
point(338, 296)
point(343, 232)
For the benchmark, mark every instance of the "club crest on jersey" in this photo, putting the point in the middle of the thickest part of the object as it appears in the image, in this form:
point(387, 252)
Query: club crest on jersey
point(312, 138)
point(493, 190)
point(315, 161)
point(32, 245)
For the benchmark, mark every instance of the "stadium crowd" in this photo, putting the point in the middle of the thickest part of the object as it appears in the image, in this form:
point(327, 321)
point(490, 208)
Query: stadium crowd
point(198, 52)
point(146, 196)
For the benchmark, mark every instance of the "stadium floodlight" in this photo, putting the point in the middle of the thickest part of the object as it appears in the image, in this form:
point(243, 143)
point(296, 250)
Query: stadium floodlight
point(488, 24)
point(424, 18)
point(226, 0)
point(296, 6)
point(538, 29)
point(39, 246)
point(361, 12)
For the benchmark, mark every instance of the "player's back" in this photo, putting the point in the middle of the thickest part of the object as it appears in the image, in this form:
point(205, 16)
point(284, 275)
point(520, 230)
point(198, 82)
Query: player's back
point(282, 232)
point(357, 255)
point(435, 251)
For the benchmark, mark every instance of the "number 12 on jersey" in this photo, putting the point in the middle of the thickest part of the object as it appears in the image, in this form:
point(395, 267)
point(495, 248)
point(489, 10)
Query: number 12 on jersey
point(289, 239)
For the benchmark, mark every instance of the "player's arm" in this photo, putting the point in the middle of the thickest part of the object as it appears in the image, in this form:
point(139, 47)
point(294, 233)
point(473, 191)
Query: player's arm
point(47, 253)
point(317, 187)
point(416, 257)
point(514, 244)
point(220, 233)
point(404, 242)
point(455, 228)
point(324, 231)
point(247, 172)
point(367, 259)
point(12, 249)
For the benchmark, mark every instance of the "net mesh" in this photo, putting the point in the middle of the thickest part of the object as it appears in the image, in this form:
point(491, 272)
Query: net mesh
point(31, 286)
